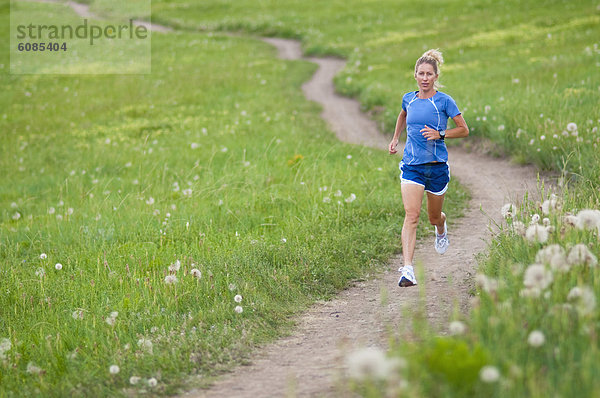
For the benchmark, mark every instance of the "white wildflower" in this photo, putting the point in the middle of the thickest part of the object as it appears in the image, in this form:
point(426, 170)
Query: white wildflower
point(550, 204)
point(175, 266)
point(588, 219)
point(145, 345)
point(51, 210)
point(338, 193)
point(16, 216)
point(40, 272)
point(152, 382)
point(150, 201)
point(585, 299)
point(518, 228)
point(33, 369)
point(237, 298)
point(371, 362)
point(326, 199)
point(187, 192)
point(553, 255)
point(537, 277)
point(231, 287)
point(195, 272)
point(489, 374)
point(58, 266)
point(114, 369)
point(239, 309)
point(350, 198)
point(283, 240)
point(77, 314)
point(536, 233)
point(5, 345)
point(508, 210)
point(457, 327)
point(487, 284)
point(580, 254)
point(571, 220)
point(534, 219)
point(571, 127)
point(536, 338)
point(43, 256)
point(133, 380)
point(170, 279)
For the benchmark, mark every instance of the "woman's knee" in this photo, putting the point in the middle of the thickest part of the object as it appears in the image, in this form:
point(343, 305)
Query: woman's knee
point(412, 217)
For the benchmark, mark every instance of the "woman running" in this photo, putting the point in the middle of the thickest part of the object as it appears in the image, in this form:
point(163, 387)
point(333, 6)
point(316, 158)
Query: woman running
point(424, 165)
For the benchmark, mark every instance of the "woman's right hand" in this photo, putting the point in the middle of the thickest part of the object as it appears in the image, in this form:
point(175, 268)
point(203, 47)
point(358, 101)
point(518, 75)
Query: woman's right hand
point(392, 146)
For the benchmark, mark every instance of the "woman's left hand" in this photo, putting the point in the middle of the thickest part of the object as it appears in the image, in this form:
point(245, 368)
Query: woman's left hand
point(430, 133)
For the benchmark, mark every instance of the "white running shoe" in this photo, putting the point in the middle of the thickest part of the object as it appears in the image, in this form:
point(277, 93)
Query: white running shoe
point(441, 242)
point(407, 277)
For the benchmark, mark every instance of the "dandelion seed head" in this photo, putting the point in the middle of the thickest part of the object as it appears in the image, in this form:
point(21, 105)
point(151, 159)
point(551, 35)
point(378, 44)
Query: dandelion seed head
point(195, 272)
point(237, 298)
point(518, 228)
point(170, 279)
point(175, 266)
point(114, 369)
point(584, 298)
point(508, 210)
point(58, 266)
point(152, 382)
point(77, 314)
point(537, 277)
point(231, 287)
point(489, 374)
point(571, 127)
point(150, 201)
point(33, 369)
point(371, 362)
point(580, 254)
point(145, 345)
point(588, 219)
point(534, 219)
point(487, 284)
point(553, 255)
point(133, 380)
point(457, 328)
point(536, 338)
point(239, 309)
point(536, 233)
point(43, 256)
point(350, 198)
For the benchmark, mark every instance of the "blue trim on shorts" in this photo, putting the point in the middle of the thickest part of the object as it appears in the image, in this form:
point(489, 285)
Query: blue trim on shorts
point(433, 177)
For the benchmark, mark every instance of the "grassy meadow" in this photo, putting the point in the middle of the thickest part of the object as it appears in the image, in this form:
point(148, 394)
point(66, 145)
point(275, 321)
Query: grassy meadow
point(155, 228)
point(170, 200)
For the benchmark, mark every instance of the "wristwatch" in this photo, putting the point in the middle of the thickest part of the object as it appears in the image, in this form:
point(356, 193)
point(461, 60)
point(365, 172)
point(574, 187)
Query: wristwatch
point(442, 134)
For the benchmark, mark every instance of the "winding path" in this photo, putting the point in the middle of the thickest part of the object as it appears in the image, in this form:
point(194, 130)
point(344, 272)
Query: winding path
point(310, 361)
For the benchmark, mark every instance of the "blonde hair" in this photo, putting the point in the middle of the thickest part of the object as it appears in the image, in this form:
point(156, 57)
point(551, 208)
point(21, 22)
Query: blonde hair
point(434, 58)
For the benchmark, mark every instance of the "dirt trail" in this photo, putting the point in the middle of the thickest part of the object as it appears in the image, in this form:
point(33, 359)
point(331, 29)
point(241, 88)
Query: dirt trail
point(309, 362)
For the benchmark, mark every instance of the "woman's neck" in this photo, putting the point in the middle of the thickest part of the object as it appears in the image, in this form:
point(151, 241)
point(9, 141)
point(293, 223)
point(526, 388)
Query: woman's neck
point(427, 94)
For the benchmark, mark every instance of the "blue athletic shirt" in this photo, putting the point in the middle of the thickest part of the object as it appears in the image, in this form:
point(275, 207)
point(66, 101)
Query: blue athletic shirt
point(433, 112)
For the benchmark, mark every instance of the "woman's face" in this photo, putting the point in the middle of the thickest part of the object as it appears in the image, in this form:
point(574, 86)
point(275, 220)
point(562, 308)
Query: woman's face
point(425, 77)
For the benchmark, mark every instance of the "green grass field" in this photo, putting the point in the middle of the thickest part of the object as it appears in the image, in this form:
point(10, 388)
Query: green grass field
point(217, 161)
point(136, 208)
